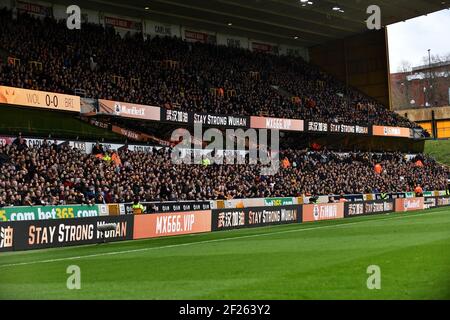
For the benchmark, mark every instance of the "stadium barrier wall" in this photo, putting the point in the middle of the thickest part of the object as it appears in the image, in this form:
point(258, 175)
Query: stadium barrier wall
point(80, 211)
point(39, 234)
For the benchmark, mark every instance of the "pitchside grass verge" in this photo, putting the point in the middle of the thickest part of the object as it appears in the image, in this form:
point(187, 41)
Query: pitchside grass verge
point(324, 260)
point(439, 149)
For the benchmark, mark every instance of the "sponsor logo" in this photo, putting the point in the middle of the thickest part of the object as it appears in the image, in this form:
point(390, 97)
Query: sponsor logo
point(316, 212)
point(343, 128)
point(235, 43)
point(409, 204)
point(368, 208)
point(379, 207)
point(48, 212)
point(278, 123)
point(318, 126)
point(412, 204)
point(157, 207)
point(51, 233)
point(443, 201)
point(271, 216)
point(430, 203)
point(133, 111)
point(62, 233)
point(356, 209)
point(6, 237)
point(218, 120)
point(129, 110)
point(122, 23)
point(231, 219)
point(274, 202)
point(390, 131)
point(164, 30)
point(177, 116)
point(325, 212)
point(255, 216)
point(167, 224)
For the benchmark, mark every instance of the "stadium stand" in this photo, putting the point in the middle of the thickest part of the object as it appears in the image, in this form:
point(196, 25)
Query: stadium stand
point(52, 174)
point(171, 73)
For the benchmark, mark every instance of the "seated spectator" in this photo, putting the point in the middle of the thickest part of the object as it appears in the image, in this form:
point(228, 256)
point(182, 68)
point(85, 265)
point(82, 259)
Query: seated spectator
point(248, 83)
point(97, 149)
point(72, 177)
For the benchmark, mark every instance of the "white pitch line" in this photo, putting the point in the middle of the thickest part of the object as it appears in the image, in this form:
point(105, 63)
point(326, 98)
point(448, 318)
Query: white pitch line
point(198, 242)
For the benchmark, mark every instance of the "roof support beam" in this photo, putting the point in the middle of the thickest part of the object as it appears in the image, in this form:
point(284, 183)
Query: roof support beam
point(301, 42)
point(295, 30)
point(300, 19)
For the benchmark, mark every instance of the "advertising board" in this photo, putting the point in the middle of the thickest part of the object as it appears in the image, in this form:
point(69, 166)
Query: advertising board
point(352, 209)
point(39, 99)
point(51, 212)
point(391, 131)
point(206, 119)
point(38, 234)
point(235, 218)
point(440, 201)
point(409, 204)
point(276, 123)
point(129, 110)
point(160, 207)
point(170, 224)
point(324, 211)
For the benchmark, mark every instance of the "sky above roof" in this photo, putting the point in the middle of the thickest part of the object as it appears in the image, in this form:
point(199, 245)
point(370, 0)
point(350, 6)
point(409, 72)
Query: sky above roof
point(410, 40)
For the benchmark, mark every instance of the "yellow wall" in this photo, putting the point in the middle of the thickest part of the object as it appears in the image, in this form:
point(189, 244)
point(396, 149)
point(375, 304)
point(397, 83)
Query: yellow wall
point(443, 129)
point(424, 114)
point(427, 126)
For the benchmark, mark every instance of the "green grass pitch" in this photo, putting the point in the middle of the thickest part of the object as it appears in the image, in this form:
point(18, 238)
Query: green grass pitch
point(324, 260)
point(439, 149)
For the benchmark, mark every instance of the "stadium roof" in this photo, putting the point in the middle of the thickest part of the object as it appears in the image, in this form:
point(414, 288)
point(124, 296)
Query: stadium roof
point(279, 21)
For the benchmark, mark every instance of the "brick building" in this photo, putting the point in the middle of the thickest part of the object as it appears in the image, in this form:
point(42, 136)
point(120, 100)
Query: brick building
point(424, 86)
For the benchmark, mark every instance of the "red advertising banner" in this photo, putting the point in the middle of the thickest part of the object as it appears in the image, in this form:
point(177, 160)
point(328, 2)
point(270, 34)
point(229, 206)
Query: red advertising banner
point(6, 140)
point(34, 8)
point(127, 133)
point(129, 110)
point(409, 204)
point(325, 211)
point(170, 224)
point(264, 47)
point(196, 36)
point(122, 23)
point(391, 131)
point(276, 123)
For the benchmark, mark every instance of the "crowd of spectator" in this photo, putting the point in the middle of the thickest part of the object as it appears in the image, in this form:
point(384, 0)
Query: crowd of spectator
point(53, 174)
point(249, 83)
